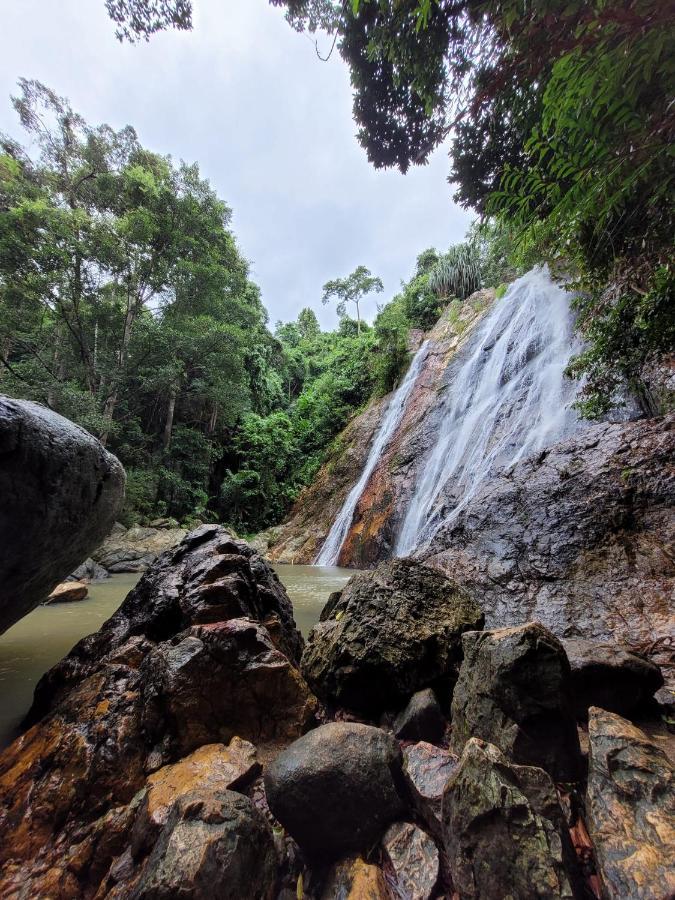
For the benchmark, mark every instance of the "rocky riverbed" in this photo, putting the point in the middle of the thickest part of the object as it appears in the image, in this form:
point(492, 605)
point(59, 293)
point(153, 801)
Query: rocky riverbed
point(194, 746)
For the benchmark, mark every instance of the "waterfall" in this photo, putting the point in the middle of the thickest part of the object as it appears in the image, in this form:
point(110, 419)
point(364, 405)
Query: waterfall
point(508, 399)
point(330, 551)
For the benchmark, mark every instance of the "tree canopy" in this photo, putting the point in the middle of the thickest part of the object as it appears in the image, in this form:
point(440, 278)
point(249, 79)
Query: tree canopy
point(352, 289)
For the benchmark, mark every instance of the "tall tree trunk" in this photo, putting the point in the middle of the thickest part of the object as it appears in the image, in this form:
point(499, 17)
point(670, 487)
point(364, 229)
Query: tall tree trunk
point(358, 318)
point(111, 401)
point(168, 422)
point(5, 348)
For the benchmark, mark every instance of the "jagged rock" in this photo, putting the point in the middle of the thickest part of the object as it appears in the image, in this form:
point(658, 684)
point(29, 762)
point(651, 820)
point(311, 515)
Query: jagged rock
point(514, 691)
point(355, 879)
point(151, 686)
point(211, 768)
point(88, 572)
point(209, 577)
point(213, 844)
point(337, 788)
point(221, 680)
point(414, 858)
point(504, 831)
point(611, 677)
point(68, 592)
point(135, 549)
point(631, 809)
point(428, 770)
point(60, 494)
point(422, 719)
point(356, 658)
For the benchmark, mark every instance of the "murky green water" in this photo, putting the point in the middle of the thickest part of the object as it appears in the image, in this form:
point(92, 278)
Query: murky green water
point(42, 638)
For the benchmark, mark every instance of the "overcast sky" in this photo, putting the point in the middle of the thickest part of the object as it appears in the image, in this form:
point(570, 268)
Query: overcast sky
point(269, 124)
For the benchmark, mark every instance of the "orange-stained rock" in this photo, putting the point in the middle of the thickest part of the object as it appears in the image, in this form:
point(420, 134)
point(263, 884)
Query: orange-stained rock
point(355, 879)
point(150, 687)
point(300, 539)
point(211, 767)
point(68, 592)
point(631, 809)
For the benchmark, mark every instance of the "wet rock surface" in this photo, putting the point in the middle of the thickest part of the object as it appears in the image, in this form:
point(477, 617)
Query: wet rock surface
point(355, 879)
point(213, 844)
point(422, 719)
point(514, 691)
point(427, 769)
point(89, 572)
point(631, 809)
point(414, 859)
point(577, 538)
point(176, 668)
point(209, 577)
point(380, 509)
point(61, 491)
point(355, 656)
point(611, 677)
point(135, 549)
point(504, 831)
point(337, 788)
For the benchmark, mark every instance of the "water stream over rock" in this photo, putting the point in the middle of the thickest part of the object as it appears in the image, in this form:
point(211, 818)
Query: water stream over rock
point(509, 399)
point(330, 551)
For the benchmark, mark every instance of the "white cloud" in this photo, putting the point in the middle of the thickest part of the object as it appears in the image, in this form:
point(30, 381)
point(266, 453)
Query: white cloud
point(269, 124)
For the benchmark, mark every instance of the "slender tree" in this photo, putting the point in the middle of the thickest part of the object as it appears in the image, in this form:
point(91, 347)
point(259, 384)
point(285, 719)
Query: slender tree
point(352, 289)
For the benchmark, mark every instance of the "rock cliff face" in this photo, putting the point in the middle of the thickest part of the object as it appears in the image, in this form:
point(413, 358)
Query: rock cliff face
point(578, 536)
point(378, 513)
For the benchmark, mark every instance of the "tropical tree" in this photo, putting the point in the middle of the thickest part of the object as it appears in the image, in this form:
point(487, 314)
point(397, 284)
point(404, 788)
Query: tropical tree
point(352, 289)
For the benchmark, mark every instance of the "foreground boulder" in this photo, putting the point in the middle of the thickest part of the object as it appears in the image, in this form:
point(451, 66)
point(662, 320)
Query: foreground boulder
point(213, 844)
point(427, 770)
point(611, 677)
point(337, 788)
point(388, 634)
point(61, 492)
point(514, 691)
point(355, 879)
point(176, 668)
point(414, 859)
point(209, 577)
point(504, 831)
point(422, 719)
point(631, 809)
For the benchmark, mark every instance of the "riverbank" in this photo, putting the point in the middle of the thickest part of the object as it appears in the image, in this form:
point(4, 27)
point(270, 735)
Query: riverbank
point(45, 636)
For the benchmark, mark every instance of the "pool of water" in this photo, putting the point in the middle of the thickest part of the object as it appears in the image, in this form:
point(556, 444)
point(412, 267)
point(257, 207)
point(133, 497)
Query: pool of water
point(43, 637)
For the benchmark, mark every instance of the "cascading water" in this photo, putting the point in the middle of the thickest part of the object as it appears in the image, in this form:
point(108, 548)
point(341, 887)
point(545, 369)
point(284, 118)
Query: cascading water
point(330, 551)
point(509, 399)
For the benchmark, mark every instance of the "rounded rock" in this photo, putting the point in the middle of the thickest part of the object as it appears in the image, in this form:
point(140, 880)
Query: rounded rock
point(336, 789)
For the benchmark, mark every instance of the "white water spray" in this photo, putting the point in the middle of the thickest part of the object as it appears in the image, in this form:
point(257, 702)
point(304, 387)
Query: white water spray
point(330, 551)
point(509, 399)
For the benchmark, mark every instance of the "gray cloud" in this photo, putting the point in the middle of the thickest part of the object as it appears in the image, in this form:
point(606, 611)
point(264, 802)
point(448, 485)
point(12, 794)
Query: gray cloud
point(269, 124)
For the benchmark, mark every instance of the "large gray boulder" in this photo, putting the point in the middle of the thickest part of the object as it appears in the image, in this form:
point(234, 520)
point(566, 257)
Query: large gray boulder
point(388, 634)
point(61, 491)
point(337, 788)
point(631, 809)
point(514, 691)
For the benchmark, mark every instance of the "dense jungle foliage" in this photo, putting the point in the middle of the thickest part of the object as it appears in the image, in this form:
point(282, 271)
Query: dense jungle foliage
point(125, 305)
